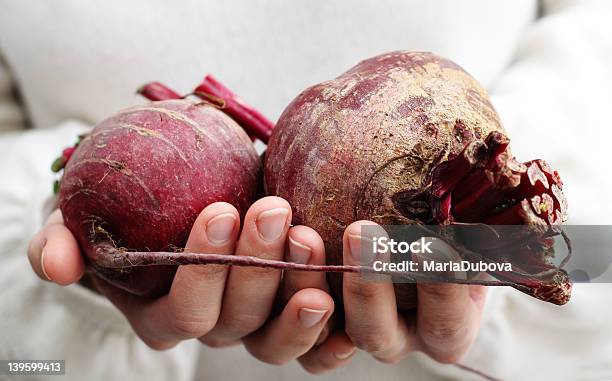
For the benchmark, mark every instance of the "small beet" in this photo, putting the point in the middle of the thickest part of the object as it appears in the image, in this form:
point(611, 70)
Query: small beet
point(405, 138)
point(138, 181)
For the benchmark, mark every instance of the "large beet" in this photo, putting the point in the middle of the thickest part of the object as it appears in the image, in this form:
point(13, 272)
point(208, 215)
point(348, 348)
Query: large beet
point(138, 181)
point(405, 137)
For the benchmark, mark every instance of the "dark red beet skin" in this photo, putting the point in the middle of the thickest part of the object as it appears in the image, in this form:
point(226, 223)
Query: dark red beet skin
point(141, 177)
point(404, 138)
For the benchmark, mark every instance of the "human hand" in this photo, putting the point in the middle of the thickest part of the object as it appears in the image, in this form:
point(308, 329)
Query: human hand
point(444, 324)
point(219, 305)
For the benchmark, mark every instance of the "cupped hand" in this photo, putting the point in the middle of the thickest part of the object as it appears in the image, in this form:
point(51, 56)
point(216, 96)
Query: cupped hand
point(219, 305)
point(223, 306)
point(443, 325)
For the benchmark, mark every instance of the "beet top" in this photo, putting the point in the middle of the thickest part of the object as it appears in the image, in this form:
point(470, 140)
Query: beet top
point(138, 181)
point(403, 138)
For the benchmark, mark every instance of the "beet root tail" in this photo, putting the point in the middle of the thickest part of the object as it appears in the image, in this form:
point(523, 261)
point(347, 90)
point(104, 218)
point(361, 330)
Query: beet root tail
point(108, 256)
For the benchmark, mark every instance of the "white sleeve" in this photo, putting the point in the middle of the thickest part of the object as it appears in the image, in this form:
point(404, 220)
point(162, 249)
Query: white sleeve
point(11, 115)
point(555, 101)
point(39, 320)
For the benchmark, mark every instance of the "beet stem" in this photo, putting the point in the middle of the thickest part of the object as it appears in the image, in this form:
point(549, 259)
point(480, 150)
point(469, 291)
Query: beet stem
point(156, 91)
point(256, 114)
point(253, 122)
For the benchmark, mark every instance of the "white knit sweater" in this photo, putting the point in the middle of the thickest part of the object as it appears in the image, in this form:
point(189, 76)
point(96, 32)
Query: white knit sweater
point(75, 62)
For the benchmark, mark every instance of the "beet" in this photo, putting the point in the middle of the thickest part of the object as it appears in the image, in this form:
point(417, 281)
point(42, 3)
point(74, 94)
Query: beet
point(402, 138)
point(138, 181)
point(405, 138)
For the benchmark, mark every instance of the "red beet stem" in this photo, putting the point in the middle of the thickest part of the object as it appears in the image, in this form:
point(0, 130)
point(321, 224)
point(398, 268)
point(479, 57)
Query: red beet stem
point(155, 91)
point(256, 114)
point(251, 120)
point(110, 257)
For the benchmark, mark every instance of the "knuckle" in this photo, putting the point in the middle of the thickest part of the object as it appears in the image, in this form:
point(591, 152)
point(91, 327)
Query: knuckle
point(207, 271)
point(441, 292)
point(300, 341)
point(242, 323)
point(370, 342)
point(444, 334)
point(362, 291)
point(446, 344)
point(191, 328)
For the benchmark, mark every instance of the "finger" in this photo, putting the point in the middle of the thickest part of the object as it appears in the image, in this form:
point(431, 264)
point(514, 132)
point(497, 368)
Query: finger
point(371, 316)
point(55, 218)
point(129, 304)
point(294, 331)
point(448, 317)
point(192, 306)
point(304, 246)
point(336, 351)
point(196, 295)
point(55, 256)
point(250, 292)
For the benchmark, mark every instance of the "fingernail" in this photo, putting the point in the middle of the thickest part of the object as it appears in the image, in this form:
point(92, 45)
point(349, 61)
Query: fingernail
point(219, 229)
point(271, 223)
point(42, 264)
point(310, 317)
point(361, 249)
point(298, 253)
point(344, 355)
